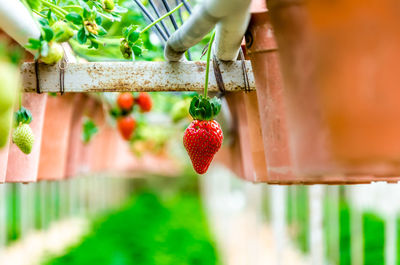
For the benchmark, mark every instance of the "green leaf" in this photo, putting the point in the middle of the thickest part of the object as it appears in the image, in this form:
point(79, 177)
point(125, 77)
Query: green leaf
point(98, 19)
point(137, 50)
point(43, 21)
point(23, 115)
point(204, 108)
point(87, 13)
point(74, 18)
point(51, 17)
point(128, 30)
point(215, 105)
point(35, 4)
point(89, 130)
point(133, 36)
point(48, 33)
point(81, 35)
point(193, 106)
point(33, 44)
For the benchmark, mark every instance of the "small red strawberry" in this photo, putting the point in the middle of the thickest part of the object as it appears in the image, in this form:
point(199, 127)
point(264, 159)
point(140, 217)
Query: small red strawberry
point(125, 101)
point(126, 126)
point(203, 138)
point(144, 101)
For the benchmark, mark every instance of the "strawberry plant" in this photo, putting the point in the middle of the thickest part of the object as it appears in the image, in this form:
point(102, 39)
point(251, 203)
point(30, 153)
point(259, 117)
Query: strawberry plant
point(131, 43)
point(82, 21)
point(203, 138)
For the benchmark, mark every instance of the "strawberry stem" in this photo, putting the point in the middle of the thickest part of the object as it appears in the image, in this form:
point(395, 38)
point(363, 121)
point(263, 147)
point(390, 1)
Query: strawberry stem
point(161, 18)
point(208, 63)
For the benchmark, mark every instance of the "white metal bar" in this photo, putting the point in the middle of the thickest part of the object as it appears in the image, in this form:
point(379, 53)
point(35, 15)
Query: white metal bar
point(134, 76)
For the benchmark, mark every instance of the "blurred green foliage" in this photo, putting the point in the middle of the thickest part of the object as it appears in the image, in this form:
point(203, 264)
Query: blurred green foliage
point(374, 239)
point(345, 236)
point(163, 224)
point(298, 216)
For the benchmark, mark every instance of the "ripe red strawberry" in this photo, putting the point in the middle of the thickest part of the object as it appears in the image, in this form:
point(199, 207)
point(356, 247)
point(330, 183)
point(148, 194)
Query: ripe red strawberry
point(125, 101)
point(202, 139)
point(126, 126)
point(144, 101)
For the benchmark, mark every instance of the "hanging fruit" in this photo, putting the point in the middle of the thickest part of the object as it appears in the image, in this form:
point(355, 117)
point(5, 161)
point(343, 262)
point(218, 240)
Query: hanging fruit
point(23, 136)
point(144, 101)
point(126, 126)
point(203, 138)
point(125, 101)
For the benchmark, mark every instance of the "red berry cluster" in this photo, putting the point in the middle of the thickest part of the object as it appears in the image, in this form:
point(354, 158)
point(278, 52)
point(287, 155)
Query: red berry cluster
point(126, 102)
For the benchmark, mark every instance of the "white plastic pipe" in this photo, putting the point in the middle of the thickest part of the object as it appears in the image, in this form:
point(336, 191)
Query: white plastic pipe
point(231, 18)
point(18, 22)
point(229, 34)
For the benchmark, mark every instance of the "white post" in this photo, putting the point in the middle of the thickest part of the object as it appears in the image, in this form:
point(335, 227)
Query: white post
point(391, 240)
point(279, 221)
point(316, 224)
point(254, 199)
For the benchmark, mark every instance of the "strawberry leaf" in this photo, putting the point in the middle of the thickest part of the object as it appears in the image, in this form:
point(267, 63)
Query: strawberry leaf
point(203, 108)
point(81, 35)
point(215, 105)
point(74, 18)
point(89, 130)
point(23, 115)
point(137, 50)
point(133, 36)
point(48, 33)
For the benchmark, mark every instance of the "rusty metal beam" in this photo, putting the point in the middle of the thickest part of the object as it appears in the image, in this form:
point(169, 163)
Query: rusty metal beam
point(133, 76)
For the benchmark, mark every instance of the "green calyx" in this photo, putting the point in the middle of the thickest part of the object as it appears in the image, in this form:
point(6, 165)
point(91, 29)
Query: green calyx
point(202, 108)
point(23, 116)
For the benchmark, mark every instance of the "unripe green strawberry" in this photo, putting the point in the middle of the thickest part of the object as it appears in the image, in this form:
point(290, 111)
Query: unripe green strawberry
point(6, 119)
point(55, 54)
point(180, 110)
point(9, 86)
point(23, 138)
point(62, 31)
point(108, 5)
point(125, 49)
